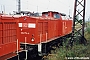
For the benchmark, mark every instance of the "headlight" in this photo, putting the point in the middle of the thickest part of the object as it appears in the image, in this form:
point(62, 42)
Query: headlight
point(32, 39)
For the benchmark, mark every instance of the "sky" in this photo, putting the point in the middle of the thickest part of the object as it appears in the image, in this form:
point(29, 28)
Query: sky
point(64, 6)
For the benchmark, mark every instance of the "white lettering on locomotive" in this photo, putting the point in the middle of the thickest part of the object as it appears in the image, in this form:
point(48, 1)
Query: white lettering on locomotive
point(31, 25)
point(24, 33)
point(20, 24)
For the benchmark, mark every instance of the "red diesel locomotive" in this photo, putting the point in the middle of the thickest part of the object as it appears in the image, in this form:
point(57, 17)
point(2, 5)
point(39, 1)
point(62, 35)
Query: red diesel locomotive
point(42, 30)
point(36, 34)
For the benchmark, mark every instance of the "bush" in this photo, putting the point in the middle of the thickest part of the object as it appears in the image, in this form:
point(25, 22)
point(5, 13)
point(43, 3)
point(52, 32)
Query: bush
point(88, 29)
point(76, 51)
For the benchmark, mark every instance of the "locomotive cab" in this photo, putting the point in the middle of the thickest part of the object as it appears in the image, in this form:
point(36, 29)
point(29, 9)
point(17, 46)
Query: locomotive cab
point(51, 14)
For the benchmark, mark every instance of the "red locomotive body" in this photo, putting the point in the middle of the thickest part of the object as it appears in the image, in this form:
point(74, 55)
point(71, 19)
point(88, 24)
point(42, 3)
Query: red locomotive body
point(36, 30)
point(66, 27)
point(8, 35)
point(43, 29)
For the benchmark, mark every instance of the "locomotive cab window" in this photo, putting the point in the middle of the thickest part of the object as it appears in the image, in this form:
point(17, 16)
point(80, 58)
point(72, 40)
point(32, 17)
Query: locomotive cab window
point(46, 15)
point(57, 16)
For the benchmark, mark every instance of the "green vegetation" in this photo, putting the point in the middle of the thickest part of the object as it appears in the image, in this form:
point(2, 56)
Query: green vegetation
point(87, 32)
point(77, 51)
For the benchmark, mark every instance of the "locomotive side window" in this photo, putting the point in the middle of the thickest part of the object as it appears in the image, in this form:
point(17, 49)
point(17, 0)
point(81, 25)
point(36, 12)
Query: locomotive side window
point(56, 16)
point(46, 15)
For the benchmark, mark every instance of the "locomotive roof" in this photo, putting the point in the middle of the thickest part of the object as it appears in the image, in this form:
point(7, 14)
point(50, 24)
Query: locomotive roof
point(50, 11)
point(62, 14)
